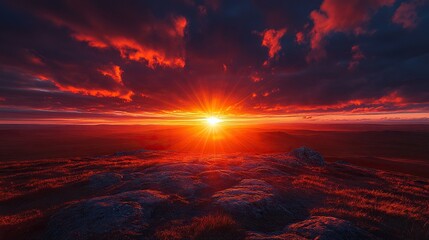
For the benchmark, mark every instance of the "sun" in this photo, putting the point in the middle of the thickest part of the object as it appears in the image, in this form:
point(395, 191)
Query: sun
point(213, 121)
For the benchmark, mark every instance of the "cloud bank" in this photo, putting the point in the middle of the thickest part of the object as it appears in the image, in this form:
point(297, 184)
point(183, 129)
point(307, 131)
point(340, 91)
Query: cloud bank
point(241, 57)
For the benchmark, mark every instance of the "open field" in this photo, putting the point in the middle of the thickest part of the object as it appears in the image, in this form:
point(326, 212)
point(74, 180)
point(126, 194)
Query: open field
point(169, 195)
point(154, 182)
point(401, 148)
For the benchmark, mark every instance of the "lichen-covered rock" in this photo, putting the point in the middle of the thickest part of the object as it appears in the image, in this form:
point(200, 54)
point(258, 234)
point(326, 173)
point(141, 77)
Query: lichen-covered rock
point(104, 180)
point(174, 182)
point(129, 153)
point(219, 179)
point(125, 215)
point(252, 198)
point(281, 236)
point(308, 156)
point(328, 228)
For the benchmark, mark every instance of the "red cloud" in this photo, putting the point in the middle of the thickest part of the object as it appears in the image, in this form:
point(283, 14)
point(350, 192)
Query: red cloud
point(35, 59)
point(135, 51)
point(384, 103)
point(123, 94)
point(158, 42)
point(271, 40)
point(299, 37)
point(356, 57)
point(256, 77)
point(180, 24)
point(341, 16)
point(392, 98)
point(406, 15)
point(96, 92)
point(114, 72)
point(91, 40)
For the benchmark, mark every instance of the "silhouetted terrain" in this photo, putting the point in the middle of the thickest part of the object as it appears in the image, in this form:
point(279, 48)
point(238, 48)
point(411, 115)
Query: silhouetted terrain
point(182, 182)
point(171, 195)
point(401, 148)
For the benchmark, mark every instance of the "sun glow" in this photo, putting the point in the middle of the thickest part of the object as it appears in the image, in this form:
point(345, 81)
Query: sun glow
point(213, 121)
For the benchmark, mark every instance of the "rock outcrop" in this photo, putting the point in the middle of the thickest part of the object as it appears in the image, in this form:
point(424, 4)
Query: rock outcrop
point(282, 236)
point(176, 197)
point(125, 215)
point(308, 157)
point(328, 228)
point(104, 180)
point(250, 198)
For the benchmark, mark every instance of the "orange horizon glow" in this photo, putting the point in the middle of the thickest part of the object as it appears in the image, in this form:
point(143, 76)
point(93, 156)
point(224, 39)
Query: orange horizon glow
point(176, 118)
point(201, 106)
point(216, 126)
point(269, 70)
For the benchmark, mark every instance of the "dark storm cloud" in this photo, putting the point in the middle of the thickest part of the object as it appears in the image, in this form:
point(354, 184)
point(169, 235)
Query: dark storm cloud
point(279, 56)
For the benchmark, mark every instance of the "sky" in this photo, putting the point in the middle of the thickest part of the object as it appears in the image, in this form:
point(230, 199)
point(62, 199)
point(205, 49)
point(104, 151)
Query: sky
point(172, 61)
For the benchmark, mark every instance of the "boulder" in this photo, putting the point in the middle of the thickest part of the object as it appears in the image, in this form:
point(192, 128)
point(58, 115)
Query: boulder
point(124, 215)
point(104, 180)
point(328, 228)
point(281, 236)
point(308, 157)
point(250, 198)
point(174, 182)
point(219, 179)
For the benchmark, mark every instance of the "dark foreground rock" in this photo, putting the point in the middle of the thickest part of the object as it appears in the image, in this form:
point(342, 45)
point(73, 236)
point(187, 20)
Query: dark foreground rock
point(308, 156)
point(104, 180)
point(328, 228)
point(317, 227)
point(126, 215)
point(282, 236)
point(164, 195)
point(251, 198)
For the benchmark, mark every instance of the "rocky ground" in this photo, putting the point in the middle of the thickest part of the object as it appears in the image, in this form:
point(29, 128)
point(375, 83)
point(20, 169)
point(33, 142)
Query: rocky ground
point(168, 195)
